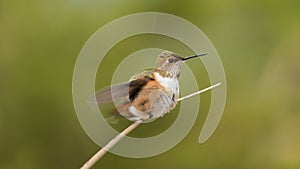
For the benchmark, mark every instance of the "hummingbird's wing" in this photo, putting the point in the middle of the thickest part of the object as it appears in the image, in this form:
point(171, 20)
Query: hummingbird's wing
point(122, 94)
point(106, 95)
point(126, 90)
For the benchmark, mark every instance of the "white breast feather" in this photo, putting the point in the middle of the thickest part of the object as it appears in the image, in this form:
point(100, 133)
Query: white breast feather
point(169, 83)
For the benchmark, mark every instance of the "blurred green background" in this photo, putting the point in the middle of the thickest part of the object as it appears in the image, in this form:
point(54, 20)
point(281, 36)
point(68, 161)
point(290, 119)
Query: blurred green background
point(258, 42)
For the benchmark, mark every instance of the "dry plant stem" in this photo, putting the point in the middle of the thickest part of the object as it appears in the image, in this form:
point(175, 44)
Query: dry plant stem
point(125, 132)
point(109, 145)
point(200, 91)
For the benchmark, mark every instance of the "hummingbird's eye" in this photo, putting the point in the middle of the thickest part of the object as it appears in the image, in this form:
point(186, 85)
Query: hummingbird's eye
point(171, 60)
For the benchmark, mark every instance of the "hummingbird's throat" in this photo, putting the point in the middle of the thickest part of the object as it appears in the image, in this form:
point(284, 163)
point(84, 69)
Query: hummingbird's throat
point(163, 73)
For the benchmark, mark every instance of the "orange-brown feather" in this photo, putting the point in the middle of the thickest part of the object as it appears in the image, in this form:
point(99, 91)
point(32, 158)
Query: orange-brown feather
point(142, 102)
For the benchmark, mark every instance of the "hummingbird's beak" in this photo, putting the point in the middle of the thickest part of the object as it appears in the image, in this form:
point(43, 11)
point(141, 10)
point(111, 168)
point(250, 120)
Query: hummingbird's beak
point(193, 56)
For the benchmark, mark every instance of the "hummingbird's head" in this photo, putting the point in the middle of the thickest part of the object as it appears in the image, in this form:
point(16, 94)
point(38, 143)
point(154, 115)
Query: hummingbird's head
point(170, 63)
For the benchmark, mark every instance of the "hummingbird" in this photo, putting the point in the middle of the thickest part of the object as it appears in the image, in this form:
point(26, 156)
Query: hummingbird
point(149, 94)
